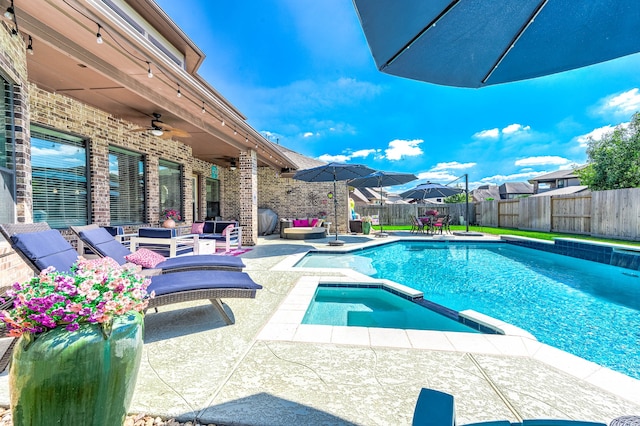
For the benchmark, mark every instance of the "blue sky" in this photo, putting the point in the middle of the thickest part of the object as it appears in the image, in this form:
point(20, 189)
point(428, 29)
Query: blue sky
point(302, 73)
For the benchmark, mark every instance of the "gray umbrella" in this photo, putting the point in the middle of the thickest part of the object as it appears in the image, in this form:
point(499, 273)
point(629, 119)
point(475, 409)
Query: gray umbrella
point(471, 43)
point(333, 172)
point(430, 190)
point(379, 179)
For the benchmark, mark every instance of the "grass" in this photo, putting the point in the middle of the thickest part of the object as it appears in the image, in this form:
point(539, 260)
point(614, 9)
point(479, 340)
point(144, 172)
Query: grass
point(530, 234)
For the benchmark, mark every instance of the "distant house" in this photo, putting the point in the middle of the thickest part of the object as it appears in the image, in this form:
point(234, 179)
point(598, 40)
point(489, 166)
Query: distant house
point(555, 180)
point(511, 190)
point(485, 192)
point(506, 191)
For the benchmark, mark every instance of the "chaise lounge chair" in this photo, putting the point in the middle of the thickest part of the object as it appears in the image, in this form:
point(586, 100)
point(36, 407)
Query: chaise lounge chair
point(42, 247)
point(101, 242)
point(435, 408)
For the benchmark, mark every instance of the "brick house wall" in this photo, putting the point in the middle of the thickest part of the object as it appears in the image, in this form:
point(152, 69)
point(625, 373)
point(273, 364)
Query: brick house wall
point(13, 66)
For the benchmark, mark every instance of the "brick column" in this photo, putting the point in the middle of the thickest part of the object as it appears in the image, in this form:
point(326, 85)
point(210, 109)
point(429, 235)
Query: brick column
point(248, 168)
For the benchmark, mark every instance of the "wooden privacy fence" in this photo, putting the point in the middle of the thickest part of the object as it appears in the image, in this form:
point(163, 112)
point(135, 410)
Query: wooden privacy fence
point(400, 214)
point(610, 214)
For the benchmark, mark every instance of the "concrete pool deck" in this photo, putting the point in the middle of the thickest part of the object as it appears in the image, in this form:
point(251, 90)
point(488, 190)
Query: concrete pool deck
point(267, 369)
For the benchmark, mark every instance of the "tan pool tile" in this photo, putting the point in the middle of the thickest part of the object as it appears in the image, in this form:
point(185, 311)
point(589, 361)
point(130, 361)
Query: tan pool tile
point(389, 337)
point(350, 335)
point(313, 333)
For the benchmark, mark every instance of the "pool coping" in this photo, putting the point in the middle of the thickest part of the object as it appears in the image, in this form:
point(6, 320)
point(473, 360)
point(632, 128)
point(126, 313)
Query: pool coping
point(286, 325)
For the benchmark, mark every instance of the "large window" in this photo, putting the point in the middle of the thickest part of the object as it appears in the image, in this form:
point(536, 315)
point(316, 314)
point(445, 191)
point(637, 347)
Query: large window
point(126, 186)
point(59, 178)
point(213, 198)
point(170, 186)
point(7, 164)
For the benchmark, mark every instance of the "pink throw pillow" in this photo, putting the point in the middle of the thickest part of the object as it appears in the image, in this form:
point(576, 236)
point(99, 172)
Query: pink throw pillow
point(227, 229)
point(197, 228)
point(296, 223)
point(145, 258)
point(314, 221)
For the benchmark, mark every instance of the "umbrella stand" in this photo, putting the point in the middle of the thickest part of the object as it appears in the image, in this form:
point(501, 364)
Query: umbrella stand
point(380, 234)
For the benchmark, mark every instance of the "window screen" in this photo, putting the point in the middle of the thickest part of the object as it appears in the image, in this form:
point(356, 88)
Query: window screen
point(7, 164)
point(126, 186)
point(59, 178)
point(170, 186)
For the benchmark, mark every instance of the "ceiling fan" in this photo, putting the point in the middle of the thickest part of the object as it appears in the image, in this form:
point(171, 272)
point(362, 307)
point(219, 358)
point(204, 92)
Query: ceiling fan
point(162, 130)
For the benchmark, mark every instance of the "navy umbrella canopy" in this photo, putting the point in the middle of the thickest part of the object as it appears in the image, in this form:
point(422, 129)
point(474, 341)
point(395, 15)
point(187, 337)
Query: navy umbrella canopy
point(381, 178)
point(475, 43)
point(430, 190)
point(333, 172)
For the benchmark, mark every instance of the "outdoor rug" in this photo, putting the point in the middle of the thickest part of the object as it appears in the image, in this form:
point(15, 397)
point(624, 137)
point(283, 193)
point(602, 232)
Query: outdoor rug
point(234, 252)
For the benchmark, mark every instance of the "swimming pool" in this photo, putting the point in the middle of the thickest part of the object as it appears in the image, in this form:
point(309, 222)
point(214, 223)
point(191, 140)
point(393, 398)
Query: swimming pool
point(585, 308)
point(374, 307)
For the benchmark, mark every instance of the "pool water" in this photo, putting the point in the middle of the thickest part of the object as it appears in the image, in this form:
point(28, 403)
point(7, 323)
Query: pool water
point(374, 307)
point(589, 309)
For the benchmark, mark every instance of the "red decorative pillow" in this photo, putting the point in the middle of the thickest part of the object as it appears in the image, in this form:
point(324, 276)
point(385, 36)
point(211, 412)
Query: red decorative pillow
point(227, 229)
point(314, 222)
point(197, 228)
point(300, 222)
point(145, 258)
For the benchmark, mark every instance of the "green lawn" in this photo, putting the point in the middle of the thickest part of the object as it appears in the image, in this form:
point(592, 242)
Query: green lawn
point(530, 234)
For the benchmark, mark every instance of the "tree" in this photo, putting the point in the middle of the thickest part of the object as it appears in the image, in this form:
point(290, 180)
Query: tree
point(614, 160)
point(457, 198)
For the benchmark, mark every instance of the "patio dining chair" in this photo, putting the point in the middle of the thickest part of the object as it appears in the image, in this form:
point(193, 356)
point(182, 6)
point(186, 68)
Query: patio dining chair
point(102, 243)
point(41, 247)
point(416, 225)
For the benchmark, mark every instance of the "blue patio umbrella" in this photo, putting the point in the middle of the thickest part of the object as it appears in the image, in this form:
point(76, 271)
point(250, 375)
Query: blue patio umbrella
point(430, 190)
point(379, 179)
point(475, 43)
point(333, 172)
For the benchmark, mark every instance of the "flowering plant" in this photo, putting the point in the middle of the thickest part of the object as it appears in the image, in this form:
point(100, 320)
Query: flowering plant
point(96, 291)
point(322, 215)
point(368, 219)
point(171, 214)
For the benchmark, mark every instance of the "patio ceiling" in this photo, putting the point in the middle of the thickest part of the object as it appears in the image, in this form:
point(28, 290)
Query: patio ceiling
point(112, 76)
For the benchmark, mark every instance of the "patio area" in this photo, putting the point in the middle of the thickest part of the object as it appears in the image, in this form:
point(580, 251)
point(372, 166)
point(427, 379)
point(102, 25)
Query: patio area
point(267, 369)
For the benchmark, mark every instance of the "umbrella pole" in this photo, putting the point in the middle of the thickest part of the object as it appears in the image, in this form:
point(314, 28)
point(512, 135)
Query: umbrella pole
point(335, 206)
point(466, 193)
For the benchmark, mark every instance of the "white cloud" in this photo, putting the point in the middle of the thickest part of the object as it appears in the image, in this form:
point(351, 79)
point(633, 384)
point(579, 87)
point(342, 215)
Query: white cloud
point(403, 148)
point(363, 153)
point(307, 134)
point(334, 158)
point(599, 133)
point(436, 176)
point(488, 134)
point(500, 179)
point(515, 128)
point(626, 103)
point(542, 160)
point(453, 165)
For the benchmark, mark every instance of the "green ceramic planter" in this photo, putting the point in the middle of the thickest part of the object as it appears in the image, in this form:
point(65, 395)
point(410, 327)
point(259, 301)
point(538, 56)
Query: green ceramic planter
point(366, 228)
point(76, 378)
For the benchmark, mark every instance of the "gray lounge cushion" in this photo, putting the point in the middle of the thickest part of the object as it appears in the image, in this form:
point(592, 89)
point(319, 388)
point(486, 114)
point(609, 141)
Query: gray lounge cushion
point(200, 280)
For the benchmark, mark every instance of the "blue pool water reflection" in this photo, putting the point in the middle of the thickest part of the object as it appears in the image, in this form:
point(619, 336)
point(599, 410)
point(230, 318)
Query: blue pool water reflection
point(589, 309)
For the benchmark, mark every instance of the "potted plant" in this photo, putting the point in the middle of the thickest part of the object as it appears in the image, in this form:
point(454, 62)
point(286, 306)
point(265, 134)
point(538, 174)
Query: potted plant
point(366, 224)
point(170, 216)
point(79, 343)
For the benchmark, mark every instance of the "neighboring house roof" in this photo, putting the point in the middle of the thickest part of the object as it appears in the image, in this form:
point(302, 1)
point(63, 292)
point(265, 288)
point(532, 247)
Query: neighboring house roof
point(560, 174)
point(483, 192)
point(515, 188)
point(358, 196)
point(563, 191)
